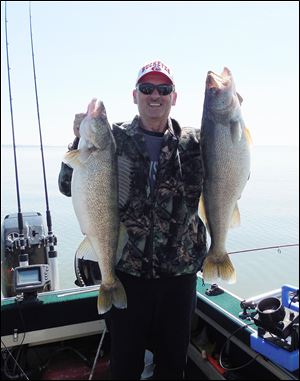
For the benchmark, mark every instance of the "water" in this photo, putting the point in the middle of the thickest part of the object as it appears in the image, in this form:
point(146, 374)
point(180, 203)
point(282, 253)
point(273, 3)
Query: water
point(269, 209)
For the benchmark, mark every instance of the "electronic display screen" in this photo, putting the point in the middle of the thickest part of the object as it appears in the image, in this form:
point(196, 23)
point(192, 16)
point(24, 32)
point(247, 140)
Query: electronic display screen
point(29, 276)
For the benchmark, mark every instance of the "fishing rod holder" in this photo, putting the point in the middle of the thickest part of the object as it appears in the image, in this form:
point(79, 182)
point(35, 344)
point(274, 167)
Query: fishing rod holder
point(15, 242)
point(49, 241)
point(247, 307)
point(38, 246)
point(214, 290)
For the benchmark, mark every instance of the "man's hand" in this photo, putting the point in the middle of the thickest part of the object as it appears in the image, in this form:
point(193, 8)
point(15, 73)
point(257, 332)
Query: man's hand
point(78, 119)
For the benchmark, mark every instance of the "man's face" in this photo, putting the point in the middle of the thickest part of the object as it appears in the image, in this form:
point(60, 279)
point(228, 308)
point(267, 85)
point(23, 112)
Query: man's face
point(154, 106)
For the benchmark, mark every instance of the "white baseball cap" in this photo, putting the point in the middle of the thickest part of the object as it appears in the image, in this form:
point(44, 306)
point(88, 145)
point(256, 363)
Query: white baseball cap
point(155, 67)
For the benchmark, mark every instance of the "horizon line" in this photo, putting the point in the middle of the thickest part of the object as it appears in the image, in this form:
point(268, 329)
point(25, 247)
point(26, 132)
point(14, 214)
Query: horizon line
point(66, 146)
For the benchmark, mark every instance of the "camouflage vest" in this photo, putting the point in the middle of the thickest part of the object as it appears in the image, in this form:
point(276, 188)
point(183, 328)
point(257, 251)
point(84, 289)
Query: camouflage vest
point(166, 236)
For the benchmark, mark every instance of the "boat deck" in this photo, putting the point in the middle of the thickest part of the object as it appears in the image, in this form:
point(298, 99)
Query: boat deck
point(57, 337)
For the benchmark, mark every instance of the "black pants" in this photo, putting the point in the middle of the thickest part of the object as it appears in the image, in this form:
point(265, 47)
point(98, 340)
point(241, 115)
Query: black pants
point(158, 317)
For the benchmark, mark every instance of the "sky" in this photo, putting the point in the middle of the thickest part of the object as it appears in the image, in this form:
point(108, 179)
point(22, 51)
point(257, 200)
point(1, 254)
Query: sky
point(87, 49)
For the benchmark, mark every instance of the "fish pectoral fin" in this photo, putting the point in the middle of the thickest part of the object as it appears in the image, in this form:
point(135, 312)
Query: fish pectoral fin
point(240, 98)
point(113, 142)
point(235, 218)
point(84, 154)
point(72, 158)
point(122, 240)
point(248, 136)
point(202, 212)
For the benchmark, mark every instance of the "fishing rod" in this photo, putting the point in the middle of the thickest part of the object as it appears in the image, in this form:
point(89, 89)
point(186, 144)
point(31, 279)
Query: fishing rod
point(51, 239)
point(264, 248)
point(18, 242)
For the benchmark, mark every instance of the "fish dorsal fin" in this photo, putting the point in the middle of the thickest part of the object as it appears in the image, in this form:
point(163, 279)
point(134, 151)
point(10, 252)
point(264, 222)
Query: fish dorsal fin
point(72, 158)
point(125, 170)
point(235, 218)
point(202, 212)
point(235, 131)
point(248, 136)
point(123, 239)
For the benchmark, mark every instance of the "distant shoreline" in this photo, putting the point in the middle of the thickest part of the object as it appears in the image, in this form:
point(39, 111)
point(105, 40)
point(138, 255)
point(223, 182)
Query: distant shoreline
point(33, 146)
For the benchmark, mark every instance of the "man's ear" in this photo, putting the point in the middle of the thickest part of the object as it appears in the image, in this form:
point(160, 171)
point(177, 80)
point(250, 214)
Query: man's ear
point(134, 96)
point(174, 95)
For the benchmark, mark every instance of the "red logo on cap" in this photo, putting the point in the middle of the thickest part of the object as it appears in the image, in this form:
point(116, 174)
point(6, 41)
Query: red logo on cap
point(156, 67)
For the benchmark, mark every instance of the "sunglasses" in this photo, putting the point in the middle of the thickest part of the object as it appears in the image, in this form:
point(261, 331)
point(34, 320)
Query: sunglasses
point(148, 88)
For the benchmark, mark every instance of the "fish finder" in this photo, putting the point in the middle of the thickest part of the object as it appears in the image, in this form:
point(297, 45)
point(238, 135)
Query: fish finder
point(31, 279)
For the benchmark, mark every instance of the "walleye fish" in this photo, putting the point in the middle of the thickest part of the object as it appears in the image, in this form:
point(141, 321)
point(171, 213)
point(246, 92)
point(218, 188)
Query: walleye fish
point(225, 143)
point(94, 189)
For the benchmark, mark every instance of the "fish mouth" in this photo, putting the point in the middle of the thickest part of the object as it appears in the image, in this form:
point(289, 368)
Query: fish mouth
point(213, 81)
point(216, 81)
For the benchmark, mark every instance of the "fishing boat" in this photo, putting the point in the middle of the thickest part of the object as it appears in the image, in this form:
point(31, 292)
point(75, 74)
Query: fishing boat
point(58, 335)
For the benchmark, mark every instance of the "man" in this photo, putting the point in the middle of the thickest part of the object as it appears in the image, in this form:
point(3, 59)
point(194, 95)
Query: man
point(160, 181)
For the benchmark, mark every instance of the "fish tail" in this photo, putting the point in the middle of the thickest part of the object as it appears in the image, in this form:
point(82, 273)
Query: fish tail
point(109, 295)
point(210, 269)
point(223, 269)
point(104, 303)
point(226, 270)
point(119, 298)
